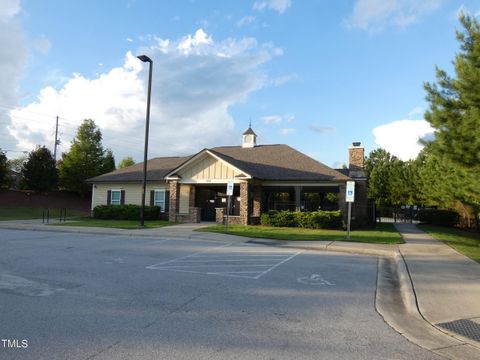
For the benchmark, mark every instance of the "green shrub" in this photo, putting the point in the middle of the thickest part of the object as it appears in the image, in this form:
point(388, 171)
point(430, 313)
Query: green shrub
point(438, 217)
point(125, 212)
point(285, 219)
point(266, 217)
point(304, 219)
point(308, 220)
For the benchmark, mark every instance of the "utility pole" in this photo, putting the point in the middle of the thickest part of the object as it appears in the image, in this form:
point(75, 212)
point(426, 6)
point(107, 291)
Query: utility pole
point(57, 142)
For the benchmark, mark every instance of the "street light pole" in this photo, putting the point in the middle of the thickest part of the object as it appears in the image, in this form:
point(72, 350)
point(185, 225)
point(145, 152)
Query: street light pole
point(145, 58)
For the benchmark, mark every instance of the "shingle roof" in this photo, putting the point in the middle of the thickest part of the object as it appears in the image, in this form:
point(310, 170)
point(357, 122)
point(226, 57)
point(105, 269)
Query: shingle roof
point(249, 131)
point(157, 169)
point(277, 162)
point(265, 162)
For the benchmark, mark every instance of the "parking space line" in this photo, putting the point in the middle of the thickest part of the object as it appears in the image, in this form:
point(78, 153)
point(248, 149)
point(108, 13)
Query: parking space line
point(186, 256)
point(277, 265)
point(238, 261)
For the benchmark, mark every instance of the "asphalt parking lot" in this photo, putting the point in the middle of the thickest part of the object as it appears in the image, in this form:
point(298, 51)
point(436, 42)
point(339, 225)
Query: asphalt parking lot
point(74, 296)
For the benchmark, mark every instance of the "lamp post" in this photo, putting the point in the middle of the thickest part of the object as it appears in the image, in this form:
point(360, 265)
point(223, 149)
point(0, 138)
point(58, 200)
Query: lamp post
point(145, 58)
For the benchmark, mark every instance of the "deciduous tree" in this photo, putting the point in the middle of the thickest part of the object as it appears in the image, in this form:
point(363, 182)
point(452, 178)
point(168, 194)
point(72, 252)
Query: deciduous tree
point(86, 159)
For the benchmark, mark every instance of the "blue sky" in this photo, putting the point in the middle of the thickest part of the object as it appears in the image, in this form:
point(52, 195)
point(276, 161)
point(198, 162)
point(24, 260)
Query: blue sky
point(316, 75)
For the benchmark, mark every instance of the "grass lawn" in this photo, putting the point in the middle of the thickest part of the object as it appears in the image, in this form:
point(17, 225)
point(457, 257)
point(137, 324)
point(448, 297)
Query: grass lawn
point(383, 234)
point(119, 224)
point(464, 242)
point(26, 213)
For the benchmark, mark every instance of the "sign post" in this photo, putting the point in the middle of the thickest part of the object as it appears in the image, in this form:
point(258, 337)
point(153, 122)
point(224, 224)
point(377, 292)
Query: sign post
point(349, 198)
point(230, 185)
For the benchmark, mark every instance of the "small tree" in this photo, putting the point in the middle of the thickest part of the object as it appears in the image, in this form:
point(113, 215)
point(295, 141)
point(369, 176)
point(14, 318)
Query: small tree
point(126, 162)
point(39, 172)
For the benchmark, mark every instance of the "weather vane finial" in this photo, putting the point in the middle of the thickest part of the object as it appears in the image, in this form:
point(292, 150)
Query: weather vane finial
point(250, 123)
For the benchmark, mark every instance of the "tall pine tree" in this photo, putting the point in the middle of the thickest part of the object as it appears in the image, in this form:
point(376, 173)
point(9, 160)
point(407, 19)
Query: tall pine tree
point(454, 113)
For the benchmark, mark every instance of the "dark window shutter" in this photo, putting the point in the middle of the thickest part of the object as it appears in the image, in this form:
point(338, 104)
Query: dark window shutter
point(152, 197)
point(109, 197)
point(122, 197)
point(167, 201)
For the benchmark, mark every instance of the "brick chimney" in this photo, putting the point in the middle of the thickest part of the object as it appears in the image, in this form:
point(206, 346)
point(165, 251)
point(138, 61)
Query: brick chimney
point(356, 156)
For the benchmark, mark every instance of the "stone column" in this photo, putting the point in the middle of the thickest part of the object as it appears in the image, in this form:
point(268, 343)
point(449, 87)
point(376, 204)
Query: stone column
point(173, 207)
point(244, 204)
point(257, 200)
point(219, 215)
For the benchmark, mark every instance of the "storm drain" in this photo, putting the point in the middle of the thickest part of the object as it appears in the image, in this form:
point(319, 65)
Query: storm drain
point(464, 327)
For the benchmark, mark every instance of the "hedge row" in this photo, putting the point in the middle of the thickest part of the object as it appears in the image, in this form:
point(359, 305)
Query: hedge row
point(125, 212)
point(309, 220)
point(438, 217)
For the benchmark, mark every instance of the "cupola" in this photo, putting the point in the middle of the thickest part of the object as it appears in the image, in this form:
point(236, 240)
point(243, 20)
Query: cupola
point(249, 138)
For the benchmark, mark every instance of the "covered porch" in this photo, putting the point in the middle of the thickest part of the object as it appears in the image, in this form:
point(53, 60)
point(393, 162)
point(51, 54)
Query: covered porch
point(208, 202)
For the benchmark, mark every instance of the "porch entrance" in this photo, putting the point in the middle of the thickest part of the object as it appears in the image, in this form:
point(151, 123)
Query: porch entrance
point(208, 198)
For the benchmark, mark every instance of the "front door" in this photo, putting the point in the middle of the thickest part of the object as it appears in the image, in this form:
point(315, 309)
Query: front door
point(206, 201)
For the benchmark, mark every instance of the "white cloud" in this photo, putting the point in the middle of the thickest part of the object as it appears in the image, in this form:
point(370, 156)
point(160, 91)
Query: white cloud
point(8, 9)
point(282, 80)
point(279, 6)
point(374, 15)
point(401, 138)
point(288, 131)
point(195, 81)
point(417, 110)
point(321, 129)
point(12, 60)
point(277, 119)
point(246, 20)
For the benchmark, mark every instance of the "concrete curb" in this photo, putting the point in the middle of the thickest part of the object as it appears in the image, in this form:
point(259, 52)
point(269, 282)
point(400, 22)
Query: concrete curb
point(406, 287)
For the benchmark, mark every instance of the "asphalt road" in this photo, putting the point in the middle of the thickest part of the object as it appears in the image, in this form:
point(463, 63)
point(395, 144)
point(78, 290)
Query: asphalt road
point(66, 296)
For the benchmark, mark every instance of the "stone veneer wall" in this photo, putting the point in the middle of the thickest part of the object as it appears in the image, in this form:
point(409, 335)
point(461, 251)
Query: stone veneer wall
point(173, 207)
point(244, 203)
point(257, 201)
point(193, 216)
point(219, 215)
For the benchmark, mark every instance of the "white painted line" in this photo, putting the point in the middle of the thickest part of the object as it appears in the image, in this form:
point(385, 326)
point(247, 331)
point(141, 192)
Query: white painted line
point(210, 265)
point(187, 256)
point(219, 260)
point(238, 255)
point(280, 263)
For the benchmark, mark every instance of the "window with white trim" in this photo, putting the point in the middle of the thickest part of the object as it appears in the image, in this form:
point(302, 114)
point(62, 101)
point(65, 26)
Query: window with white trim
point(116, 197)
point(159, 199)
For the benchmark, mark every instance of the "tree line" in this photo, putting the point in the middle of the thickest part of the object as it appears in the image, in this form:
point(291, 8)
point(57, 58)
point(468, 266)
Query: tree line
point(39, 171)
point(446, 173)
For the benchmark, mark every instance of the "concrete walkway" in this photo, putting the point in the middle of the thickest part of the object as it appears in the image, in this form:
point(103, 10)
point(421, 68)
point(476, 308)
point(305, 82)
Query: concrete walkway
point(446, 285)
point(440, 288)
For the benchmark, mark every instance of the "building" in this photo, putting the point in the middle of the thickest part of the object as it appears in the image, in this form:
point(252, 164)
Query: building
point(265, 177)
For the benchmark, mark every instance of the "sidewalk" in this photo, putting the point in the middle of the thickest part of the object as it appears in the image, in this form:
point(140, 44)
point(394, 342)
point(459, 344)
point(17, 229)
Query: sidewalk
point(446, 284)
point(440, 287)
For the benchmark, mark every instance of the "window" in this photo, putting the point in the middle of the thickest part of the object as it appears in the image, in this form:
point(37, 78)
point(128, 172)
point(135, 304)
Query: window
point(116, 197)
point(159, 199)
